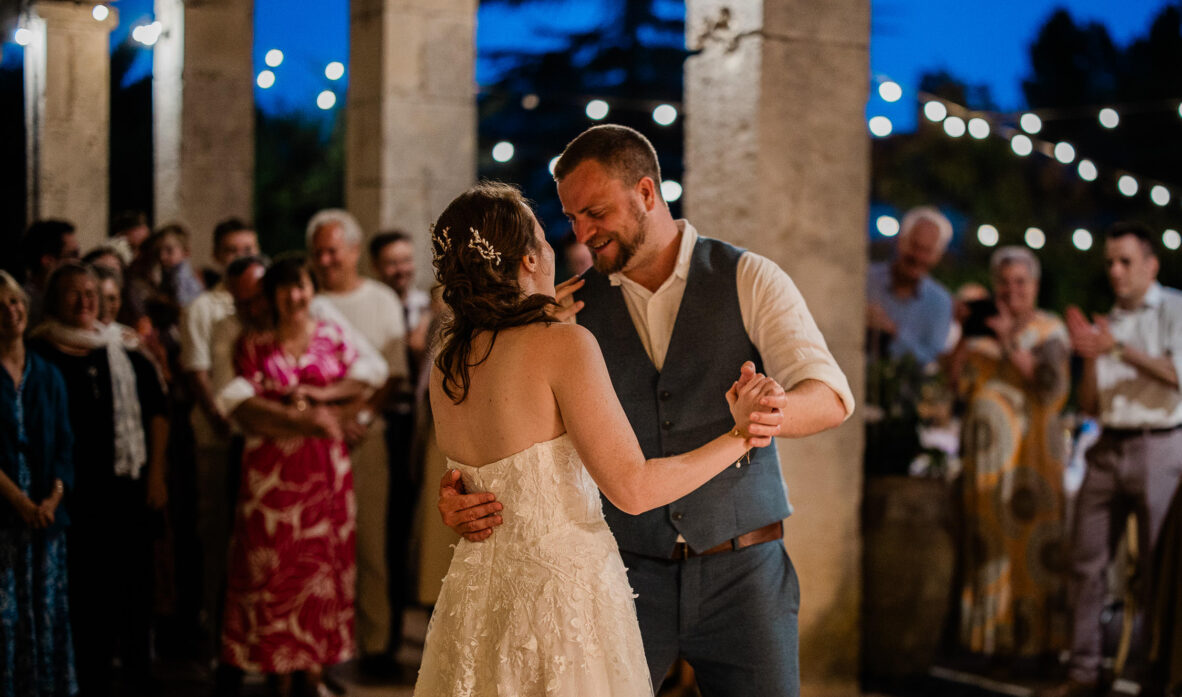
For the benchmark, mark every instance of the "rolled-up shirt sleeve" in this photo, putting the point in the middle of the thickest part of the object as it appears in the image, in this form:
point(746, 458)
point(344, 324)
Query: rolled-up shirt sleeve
point(779, 323)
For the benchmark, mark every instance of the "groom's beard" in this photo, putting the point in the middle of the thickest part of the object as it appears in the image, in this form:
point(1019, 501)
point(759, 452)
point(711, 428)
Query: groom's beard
point(626, 247)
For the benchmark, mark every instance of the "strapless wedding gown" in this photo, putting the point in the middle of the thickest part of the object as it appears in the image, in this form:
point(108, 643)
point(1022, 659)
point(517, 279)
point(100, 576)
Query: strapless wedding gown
point(543, 606)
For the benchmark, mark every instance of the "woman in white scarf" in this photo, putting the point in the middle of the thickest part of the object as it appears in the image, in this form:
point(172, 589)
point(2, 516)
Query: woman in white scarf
point(117, 411)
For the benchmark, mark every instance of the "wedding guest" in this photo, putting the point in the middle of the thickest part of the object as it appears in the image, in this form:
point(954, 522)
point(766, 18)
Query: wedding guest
point(110, 293)
point(289, 604)
point(1015, 382)
point(36, 469)
point(907, 312)
point(334, 242)
point(118, 413)
point(1131, 367)
point(46, 245)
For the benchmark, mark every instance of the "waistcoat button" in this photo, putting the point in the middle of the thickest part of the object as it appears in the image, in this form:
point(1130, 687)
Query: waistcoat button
point(678, 516)
point(668, 425)
point(665, 395)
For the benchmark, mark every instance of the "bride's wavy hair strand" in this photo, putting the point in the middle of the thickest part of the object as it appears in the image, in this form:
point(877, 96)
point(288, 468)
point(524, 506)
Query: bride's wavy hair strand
point(477, 243)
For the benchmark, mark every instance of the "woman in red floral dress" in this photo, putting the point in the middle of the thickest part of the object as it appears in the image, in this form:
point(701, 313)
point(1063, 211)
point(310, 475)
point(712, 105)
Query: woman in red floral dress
point(289, 601)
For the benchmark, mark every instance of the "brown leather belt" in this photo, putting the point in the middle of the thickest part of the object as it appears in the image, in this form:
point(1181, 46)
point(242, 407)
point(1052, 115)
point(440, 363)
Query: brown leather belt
point(769, 532)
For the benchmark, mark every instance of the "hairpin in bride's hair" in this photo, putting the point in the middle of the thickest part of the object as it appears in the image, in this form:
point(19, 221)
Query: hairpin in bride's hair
point(442, 243)
point(483, 247)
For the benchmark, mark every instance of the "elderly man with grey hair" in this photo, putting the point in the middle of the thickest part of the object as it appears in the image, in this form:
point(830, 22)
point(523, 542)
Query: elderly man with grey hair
point(334, 246)
point(909, 312)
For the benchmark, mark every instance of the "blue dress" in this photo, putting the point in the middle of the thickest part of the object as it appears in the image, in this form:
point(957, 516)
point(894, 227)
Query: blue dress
point(36, 651)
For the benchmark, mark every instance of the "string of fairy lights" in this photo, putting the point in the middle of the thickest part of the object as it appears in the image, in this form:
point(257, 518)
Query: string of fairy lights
point(957, 121)
point(1022, 132)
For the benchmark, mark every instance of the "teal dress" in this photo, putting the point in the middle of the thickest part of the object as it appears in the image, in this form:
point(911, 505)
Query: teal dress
point(36, 448)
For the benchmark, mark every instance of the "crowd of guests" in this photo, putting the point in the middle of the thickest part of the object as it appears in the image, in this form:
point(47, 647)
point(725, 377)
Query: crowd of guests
point(221, 453)
point(1035, 555)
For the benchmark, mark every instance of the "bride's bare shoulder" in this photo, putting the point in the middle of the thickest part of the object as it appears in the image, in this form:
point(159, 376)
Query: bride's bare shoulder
point(562, 336)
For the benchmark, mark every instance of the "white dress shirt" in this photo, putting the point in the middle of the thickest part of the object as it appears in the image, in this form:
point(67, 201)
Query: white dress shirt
point(773, 313)
point(196, 327)
point(1129, 398)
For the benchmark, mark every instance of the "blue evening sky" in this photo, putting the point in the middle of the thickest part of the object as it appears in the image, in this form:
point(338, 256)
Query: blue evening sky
point(979, 41)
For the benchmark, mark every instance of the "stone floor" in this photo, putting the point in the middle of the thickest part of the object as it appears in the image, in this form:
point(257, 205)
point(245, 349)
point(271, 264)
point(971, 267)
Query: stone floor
point(188, 679)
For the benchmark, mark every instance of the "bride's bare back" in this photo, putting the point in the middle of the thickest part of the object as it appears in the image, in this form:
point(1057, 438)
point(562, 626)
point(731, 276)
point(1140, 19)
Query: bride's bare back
point(510, 405)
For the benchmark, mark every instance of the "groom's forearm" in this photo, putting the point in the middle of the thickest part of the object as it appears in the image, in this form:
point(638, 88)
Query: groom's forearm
point(811, 406)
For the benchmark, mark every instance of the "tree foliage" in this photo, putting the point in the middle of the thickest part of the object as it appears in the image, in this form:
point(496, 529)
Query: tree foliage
point(1075, 70)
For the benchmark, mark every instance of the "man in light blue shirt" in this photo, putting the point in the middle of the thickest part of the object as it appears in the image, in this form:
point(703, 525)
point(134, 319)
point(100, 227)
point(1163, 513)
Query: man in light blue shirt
point(907, 312)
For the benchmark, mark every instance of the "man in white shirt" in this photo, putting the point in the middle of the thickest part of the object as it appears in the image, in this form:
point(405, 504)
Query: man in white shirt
point(676, 314)
point(232, 239)
point(334, 245)
point(1132, 361)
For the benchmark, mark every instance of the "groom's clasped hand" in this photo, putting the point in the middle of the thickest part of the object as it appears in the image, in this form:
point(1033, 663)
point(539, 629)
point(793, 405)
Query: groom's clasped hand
point(475, 515)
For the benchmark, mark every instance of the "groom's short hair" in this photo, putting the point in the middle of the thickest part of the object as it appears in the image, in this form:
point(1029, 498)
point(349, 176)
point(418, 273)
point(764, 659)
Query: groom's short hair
point(623, 151)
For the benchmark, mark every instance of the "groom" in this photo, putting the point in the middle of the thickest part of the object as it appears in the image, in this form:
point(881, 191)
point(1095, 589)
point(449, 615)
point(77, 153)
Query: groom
point(674, 314)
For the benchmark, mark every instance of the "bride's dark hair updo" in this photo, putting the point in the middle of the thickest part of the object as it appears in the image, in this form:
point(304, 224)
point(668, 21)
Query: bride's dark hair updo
point(478, 243)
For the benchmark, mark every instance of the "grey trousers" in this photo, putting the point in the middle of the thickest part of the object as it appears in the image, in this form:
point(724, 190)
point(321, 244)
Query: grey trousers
point(1127, 473)
point(732, 616)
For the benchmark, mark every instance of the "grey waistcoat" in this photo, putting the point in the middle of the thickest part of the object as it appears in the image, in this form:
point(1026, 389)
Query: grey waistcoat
point(683, 406)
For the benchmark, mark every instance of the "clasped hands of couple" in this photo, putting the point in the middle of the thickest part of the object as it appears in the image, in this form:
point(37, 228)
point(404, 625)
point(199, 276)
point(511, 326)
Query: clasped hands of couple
point(756, 401)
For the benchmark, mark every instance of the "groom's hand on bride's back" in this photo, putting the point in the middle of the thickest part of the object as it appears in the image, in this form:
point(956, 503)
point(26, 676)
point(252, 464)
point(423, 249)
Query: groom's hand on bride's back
point(472, 516)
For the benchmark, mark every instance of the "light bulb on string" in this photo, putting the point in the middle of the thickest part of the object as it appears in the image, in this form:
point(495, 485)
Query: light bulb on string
point(881, 126)
point(1171, 239)
point(1030, 123)
point(1082, 239)
point(1021, 145)
point(273, 58)
point(1035, 238)
point(1127, 184)
point(553, 162)
point(665, 114)
point(1159, 195)
point(1087, 170)
point(100, 12)
point(988, 235)
point(670, 190)
point(935, 110)
point(23, 36)
point(503, 151)
point(597, 109)
point(334, 71)
point(887, 226)
point(265, 79)
point(954, 126)
point(1065, 153)
point(979, 128)
point(1109, 118)
point(326, 100)
point(890, 91)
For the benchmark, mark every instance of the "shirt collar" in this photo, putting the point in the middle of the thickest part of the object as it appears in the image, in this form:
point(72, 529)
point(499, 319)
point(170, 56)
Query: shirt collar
point(685, 253)
point(1153, 299)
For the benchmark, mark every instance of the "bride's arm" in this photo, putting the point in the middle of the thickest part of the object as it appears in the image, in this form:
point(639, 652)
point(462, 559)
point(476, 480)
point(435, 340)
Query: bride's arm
point(607, 445)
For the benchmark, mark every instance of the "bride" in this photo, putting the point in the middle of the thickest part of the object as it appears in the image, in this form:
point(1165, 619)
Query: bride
point(524, 408)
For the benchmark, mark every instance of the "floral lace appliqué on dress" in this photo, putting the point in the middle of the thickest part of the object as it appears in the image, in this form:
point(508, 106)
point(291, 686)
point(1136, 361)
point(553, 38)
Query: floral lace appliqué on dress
point(543, 607)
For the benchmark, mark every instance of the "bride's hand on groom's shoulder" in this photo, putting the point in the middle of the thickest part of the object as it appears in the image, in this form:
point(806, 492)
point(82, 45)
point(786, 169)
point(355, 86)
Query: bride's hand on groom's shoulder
point(472, 516)
point(564, 293)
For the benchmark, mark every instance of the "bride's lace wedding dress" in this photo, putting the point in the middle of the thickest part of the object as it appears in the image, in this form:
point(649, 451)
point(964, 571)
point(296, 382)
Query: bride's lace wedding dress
point(543, 606)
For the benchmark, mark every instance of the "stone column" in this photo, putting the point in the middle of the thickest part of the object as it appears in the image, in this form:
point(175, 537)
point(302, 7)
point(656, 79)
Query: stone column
point(203, 116)
point(411, 113)
point(67, 116)
point(777, 160)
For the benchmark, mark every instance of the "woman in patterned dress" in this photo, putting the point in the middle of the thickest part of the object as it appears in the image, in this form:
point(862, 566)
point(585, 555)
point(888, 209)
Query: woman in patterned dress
point(1016, 382)
point(36, 467)
point(289, 603)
